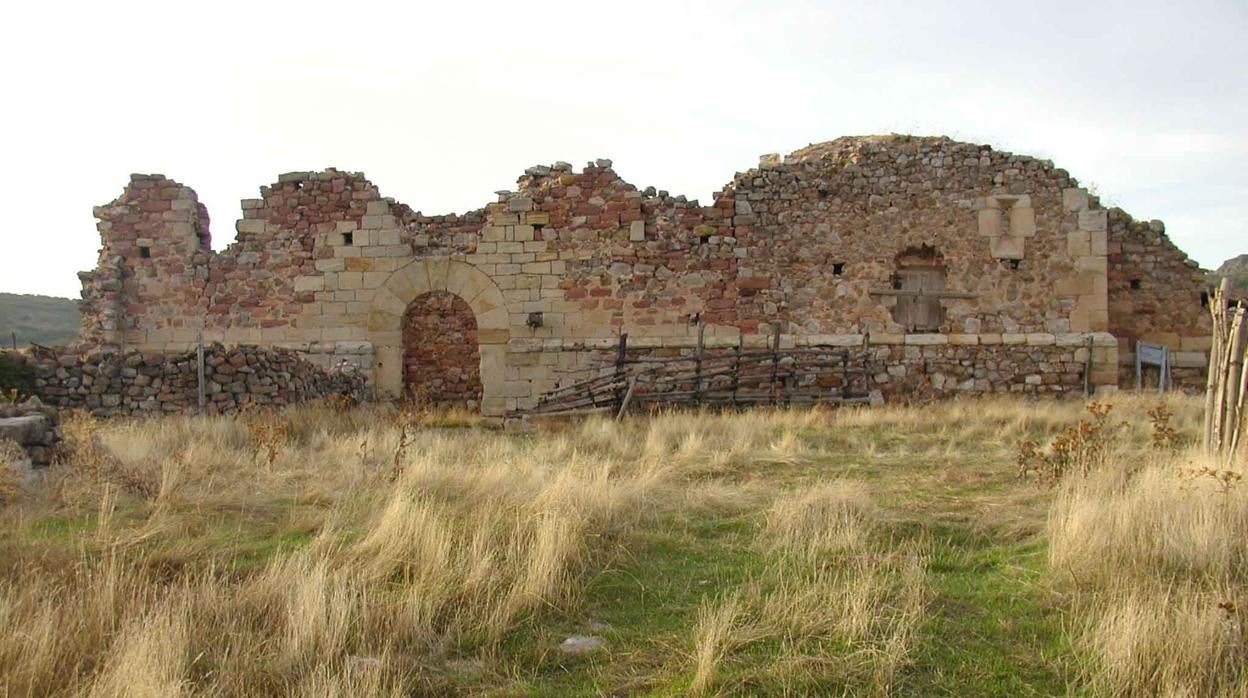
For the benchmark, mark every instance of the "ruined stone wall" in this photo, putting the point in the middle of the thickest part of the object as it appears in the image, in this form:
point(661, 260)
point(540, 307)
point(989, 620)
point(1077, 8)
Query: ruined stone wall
point(151, 271)
point(144, 382)
point(812, 244)
point(1156, 295)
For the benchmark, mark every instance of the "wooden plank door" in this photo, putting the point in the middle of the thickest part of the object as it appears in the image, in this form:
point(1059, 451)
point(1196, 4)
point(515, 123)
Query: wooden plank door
point(919, 310)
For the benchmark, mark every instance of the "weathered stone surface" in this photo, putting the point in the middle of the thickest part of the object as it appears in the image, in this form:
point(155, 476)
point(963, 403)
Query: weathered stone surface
point(811, 243)
point(134, 382)
point(581, 644)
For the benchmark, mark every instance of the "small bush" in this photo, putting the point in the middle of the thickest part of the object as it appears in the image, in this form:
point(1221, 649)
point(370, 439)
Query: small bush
point(1080, 448)
point(15, 375)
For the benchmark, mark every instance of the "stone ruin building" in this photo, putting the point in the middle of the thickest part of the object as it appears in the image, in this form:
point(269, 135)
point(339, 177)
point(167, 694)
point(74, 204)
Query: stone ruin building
point(963, 268)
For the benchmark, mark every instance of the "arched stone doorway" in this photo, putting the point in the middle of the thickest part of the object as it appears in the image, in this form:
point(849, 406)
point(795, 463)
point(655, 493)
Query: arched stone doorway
point(441, 359)
point(426, 276)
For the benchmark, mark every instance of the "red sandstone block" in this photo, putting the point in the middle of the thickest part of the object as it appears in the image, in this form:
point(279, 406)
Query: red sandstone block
point(599, 292)
point(576, 293)
point(754, 282)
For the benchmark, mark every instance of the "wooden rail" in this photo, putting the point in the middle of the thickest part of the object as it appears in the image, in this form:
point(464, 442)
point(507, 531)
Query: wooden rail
point(734, 377)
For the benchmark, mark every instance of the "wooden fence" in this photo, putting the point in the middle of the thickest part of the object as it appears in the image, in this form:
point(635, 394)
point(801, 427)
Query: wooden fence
point(722, 378)
point(1225, 418)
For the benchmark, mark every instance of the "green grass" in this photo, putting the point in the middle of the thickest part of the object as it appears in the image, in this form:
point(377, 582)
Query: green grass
point(993, 626)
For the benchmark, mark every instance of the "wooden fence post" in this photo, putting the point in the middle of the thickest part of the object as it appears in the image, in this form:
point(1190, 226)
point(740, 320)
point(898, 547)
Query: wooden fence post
point(621, 353)
point(697, 367)
point(736, 369)
point(775, 363)
point(1218, 315)
point(199, 369)
point(1228, 377)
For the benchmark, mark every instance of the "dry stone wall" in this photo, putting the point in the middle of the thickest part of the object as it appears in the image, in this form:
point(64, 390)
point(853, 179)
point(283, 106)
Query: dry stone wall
point(133, 382)
point(1156, 295)
point(820, 243)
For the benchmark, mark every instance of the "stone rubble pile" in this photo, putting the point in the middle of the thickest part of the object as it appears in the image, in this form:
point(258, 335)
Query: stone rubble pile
point(33, 426)
point(134, 382)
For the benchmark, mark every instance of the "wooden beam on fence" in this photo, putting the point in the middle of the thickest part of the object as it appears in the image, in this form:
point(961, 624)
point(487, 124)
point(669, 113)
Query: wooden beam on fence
point(632, 385)
point(1087, 370)
point(621, 353)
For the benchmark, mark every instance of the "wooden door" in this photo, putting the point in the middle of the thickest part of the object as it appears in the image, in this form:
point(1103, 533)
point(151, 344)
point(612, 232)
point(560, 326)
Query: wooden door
point(918, 306)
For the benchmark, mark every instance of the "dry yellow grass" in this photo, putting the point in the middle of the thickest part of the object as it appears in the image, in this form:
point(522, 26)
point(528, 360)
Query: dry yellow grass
point(1154, 555)
point(366, 552)
point(841, 607)
point(426, 544)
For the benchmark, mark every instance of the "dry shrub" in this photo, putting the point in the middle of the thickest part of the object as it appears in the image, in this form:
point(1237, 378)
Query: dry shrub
point(1078, 449)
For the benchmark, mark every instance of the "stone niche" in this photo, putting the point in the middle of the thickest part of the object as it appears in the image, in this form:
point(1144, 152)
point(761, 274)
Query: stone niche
point(1007, 220)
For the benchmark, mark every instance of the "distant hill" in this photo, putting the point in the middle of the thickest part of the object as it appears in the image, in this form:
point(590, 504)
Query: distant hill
point(37, 319)
point(1236, 269)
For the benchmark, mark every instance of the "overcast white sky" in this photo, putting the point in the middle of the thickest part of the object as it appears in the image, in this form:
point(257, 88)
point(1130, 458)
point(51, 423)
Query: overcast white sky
point(442, 105)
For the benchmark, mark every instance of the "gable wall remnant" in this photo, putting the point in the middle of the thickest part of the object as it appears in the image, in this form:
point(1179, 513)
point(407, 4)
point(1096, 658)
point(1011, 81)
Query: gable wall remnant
point(1156, 295)
point(558, 269)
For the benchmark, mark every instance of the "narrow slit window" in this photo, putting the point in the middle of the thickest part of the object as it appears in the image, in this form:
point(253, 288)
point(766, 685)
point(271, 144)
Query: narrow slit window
point(145, 252)
point(838, 268)
point(348, 238)
point(1135, 284)
point(1204, 299)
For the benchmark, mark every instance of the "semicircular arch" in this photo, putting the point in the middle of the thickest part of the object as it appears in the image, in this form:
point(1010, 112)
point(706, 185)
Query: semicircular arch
point(424, 276)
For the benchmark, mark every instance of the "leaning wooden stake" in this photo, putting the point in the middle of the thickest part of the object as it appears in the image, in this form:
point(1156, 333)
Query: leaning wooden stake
point(1225, 418)
point(1235, 369)
point(1217, 312)
point(628, 396)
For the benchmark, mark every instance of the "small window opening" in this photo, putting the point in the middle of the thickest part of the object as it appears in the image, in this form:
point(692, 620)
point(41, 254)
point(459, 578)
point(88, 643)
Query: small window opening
point(1135, 284)
point(298, 185)
point(348, 238)
point(145, 252)
point(537, 227)
point(823, 193)
point(838, 268)
point(1204, 299)
point(1015, 263)
point(704, 239)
